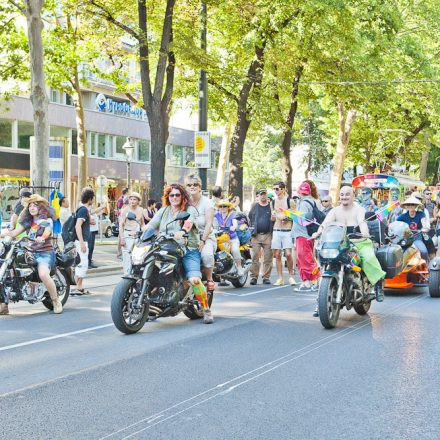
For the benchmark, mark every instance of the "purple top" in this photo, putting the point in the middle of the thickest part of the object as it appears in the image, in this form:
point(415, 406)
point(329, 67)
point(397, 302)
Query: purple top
point(225, 225)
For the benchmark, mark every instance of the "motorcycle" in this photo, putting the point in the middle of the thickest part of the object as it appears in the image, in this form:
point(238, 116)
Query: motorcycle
point(224, 264)
point(343, 283)
point(19, 280)
point(156, 286)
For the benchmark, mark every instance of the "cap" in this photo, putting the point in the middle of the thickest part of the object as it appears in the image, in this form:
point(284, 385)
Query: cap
point(304, 189)
point(262, 191)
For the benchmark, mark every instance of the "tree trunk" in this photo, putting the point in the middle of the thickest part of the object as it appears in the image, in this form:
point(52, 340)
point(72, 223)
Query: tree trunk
point(224, 157)
point(159, 134)
point(286, 165)
point(425, 158)
point(40, 154)
point(81, 135)
point(346, 120)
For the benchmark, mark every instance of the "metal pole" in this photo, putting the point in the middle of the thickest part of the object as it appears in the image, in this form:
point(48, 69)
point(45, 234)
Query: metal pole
point(100, 215)
point(128, 176)
point(203, 92)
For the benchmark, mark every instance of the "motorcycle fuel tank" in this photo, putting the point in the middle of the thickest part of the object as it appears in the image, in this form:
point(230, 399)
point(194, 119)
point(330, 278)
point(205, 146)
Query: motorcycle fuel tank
point(391, 259)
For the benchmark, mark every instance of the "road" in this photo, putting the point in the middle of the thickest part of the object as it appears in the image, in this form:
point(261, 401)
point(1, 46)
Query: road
point(266, 369)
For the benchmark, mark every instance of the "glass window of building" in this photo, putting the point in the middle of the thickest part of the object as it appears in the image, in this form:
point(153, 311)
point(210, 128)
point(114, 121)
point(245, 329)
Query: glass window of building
point(189, 157)
point(92, 139)
point(120, 141)
point(177, 156)
point(25, 131)
point(58, 131)
point(74, 142)
point(101, 145)
point(69, 100)
point(143, 150)
point(54, 95)
point(5, 133)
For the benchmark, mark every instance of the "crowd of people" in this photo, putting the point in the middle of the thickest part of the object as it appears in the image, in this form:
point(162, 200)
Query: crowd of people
point(275, 234)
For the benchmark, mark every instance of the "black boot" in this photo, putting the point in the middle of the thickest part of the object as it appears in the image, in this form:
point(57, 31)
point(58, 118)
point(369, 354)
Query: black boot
point(378, 290)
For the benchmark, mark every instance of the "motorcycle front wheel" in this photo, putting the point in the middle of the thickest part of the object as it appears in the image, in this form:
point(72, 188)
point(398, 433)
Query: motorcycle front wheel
point(63, 289)
point(127, 319)
point(328, 310)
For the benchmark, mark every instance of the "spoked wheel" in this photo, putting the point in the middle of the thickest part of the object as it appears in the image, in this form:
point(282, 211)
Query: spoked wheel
point(126, 317)
point(328, 310)
point(196, 311)
point(63, 290)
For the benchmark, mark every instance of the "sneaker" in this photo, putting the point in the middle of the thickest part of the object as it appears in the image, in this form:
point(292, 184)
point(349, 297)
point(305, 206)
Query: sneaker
point(266, 281)
point(92, 265)
point(292, 281)
point(303, 287)
point(57, 306)
point(279, 282)
point(314, 286)
point(4, 309)
point(253, 281)
point(207, 316)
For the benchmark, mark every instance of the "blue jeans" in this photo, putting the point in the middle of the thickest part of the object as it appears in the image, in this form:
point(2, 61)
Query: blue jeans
point(420, 245)
point(45, 259)
point(191, 263)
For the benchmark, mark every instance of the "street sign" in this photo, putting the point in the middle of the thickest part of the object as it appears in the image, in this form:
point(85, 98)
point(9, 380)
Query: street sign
point(101, 180)
point(202, 149)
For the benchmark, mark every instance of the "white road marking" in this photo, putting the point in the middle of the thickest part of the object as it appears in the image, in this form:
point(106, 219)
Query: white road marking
point(254, 292)
point(267, 368)
point(50, 338)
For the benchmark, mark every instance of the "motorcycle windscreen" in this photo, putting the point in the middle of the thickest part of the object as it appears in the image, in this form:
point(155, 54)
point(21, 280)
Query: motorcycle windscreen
point(332, 236)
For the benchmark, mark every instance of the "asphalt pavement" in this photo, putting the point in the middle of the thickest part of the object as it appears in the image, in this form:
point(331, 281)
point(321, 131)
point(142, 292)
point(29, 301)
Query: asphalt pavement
point(266, 369)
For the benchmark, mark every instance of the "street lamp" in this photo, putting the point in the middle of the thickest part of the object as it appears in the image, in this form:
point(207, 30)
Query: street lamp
point(129, 150)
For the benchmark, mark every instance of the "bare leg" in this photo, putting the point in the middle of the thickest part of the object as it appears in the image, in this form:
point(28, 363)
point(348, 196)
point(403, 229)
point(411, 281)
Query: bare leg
point(277, 253)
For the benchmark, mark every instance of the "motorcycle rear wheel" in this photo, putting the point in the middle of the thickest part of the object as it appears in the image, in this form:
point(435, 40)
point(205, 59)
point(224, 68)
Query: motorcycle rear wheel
point(240, 282)
point(362, 308)
point(328, 311)
point(63, 295)
point(126, 320)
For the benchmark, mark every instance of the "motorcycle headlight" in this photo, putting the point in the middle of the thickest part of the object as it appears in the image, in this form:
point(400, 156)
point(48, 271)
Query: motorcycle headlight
point(2, 249)
point(329, 253)
point(138, 254)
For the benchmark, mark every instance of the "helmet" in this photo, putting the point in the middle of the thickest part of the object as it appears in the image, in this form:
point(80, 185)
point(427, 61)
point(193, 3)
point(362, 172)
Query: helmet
point(223, 262)
point(400, 233)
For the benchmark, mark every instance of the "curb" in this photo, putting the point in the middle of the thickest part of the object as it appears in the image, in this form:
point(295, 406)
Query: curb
point(115, 268)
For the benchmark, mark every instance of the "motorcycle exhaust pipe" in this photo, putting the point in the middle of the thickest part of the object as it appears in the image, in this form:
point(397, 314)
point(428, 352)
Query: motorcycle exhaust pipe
point(156, 310)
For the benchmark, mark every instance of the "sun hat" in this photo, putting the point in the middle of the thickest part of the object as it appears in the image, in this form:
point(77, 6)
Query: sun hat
point(411, 201)
point(135, 194)
point(35, 198)
point(224, 202)
point(304, 189)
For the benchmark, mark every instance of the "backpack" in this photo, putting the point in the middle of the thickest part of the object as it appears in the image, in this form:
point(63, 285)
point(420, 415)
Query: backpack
point(68, 232)
point(288, 203)
point(318, 217)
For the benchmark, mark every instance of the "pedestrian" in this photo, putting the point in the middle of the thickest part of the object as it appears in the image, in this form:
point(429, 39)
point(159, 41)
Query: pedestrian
point(65, 211)
point(217, 195)
point(94, 229)
point(119, 205)
point(150, 210)
point(128, 228)
point(281, 236)
point(260, 217)
point(307, 266)
point(82, 229)
point(327, 204)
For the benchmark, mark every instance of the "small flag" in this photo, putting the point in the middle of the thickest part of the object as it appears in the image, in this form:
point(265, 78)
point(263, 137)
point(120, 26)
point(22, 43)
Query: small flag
point(382, 213)
point(296, 216)
point(356, 263)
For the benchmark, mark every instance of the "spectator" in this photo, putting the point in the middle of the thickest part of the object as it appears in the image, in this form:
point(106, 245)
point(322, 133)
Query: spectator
point(150, 210)
point(123, 200)
point(327, 204)
point(65, 211)
point(23, 194)
point(217, 194)
point(82, 229)
point(260, 218)
point(94, 228)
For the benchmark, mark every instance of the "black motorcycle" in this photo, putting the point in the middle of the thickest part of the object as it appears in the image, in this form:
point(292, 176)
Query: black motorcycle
point(156, 286)
point(19, 280)
point(343, 283)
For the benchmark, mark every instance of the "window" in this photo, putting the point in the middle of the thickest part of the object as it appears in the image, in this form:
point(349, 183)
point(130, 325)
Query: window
point(5, 133)
point(69, 100)
point(143, 150)
point(189, 157)
point(54, 95)
point(120, 141)
point(91, 137)
point(58, 131)
point(74, 142)
point(25, 131)
point(101, 145)
point(177, 155)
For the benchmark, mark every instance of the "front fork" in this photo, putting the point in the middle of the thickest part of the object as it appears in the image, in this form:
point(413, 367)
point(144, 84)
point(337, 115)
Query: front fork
point(3, 269)
point(340, 285)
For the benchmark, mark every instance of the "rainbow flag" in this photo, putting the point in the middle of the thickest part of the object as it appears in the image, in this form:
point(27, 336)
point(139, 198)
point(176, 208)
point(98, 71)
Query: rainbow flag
point(382, 213)
point(356, 263)
point(296, 216)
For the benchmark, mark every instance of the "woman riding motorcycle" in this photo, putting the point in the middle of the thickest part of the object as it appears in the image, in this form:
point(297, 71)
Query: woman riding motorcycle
point(204, 220)
point(37, 221)
point(175, 199)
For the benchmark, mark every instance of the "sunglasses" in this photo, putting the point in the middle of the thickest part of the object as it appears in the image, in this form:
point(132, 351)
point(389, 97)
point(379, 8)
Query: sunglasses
point(276, 189)
point(190, 185)
point(223, 206)
point(325, 201)
point(174, 195)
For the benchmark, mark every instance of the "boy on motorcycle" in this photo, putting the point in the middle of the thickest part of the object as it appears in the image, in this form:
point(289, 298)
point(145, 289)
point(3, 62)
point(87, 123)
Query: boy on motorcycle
point(36, 220)
point(175, 199)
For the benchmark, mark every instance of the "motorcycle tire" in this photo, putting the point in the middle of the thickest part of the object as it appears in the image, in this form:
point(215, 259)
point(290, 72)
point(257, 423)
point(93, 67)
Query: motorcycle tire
point(240, 282)
point(328, 311)
point(434, 283)
point(108, 232)
point(119, 305)
point(193, 312)
point(47, 302)
point(362, 308)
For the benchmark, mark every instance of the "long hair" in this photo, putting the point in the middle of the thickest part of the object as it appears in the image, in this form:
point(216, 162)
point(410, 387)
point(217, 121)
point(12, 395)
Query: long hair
point(44, 212)
point(184, 200)
point(314, 190)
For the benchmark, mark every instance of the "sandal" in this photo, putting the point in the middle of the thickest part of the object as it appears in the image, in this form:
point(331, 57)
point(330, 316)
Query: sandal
point(80, 292)
point(210, 285)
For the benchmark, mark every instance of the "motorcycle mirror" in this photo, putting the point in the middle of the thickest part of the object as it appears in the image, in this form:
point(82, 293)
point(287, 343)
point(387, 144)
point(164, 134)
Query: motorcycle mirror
point(148, 233)
point(131, 216)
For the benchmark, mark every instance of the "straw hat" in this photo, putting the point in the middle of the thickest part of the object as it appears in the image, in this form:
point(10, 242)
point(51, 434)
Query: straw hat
point(411, 201)
point(135, 194)
point(35, 198)
point(418, 195)
point(224, 202)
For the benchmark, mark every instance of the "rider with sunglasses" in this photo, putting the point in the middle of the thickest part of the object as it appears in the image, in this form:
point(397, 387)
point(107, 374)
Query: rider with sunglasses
point(176, 199)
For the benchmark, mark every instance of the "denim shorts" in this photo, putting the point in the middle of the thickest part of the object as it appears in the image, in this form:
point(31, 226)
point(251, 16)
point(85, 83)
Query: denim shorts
point(45, 259)
point(191, 263)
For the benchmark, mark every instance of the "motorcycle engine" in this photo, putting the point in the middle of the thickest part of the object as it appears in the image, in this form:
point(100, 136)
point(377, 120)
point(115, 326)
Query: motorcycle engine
point(223, 262)
point(33, 292)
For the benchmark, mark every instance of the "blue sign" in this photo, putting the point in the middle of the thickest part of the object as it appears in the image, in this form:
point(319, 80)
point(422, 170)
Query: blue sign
point(105, 104)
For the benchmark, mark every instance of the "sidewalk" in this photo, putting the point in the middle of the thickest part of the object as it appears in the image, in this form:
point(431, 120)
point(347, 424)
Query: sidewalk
point(104, 256)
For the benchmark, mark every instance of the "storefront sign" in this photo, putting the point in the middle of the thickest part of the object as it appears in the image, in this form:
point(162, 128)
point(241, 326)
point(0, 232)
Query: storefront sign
point(107, 105)
point(202, 149)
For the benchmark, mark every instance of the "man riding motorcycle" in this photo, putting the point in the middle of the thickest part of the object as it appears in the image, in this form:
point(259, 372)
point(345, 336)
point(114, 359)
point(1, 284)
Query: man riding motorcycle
point(352, 215)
